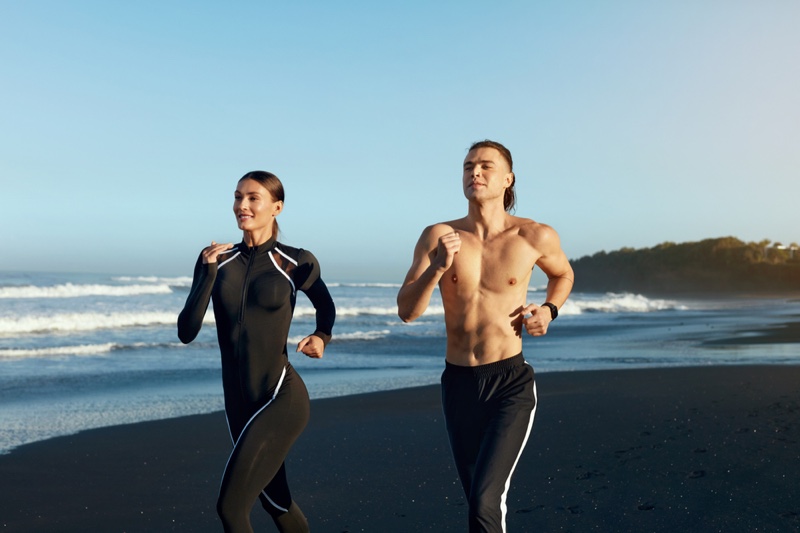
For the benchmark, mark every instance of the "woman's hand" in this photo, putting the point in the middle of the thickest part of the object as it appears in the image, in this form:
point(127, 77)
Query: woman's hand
point(312, 346)
point(210, 253)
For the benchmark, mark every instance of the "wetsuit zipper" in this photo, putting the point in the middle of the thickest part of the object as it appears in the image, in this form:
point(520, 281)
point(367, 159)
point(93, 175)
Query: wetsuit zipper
point(250, 262)
point(239, 344)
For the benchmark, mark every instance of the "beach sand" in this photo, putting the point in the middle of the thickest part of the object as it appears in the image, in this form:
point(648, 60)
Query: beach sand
point(687, 449)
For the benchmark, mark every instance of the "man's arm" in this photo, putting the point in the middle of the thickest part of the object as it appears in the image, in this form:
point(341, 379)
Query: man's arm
point(433, 256)
point(560, 278)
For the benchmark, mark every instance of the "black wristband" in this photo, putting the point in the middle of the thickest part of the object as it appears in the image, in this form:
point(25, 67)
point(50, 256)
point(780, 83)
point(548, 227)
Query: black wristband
point(553, 310)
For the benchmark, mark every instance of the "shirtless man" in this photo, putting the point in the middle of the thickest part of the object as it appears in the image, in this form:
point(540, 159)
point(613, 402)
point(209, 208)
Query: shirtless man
point(482, 264)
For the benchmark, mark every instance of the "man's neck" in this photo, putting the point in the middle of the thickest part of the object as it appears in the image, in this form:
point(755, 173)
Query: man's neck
point(487, 220)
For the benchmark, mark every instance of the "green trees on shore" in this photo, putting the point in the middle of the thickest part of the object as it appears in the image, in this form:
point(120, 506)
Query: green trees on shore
point(722, 265)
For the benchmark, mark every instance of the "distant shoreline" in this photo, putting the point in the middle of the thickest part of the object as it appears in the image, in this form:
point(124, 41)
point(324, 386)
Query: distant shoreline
point(722, 266)
point(731, 294)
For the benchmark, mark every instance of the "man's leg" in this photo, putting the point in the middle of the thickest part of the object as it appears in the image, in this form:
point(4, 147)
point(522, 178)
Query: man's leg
point(489, 413)
point(462, 418)
point(513, 405)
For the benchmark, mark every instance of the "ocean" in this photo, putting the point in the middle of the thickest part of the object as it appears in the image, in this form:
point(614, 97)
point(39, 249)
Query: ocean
point(80, 351)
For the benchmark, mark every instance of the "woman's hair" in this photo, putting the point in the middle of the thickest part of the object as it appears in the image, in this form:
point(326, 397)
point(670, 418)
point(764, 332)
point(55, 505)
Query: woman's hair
point(509, 197)
point(270, 182)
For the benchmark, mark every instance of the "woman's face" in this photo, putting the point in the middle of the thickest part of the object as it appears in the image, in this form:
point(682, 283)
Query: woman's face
point(254, 207)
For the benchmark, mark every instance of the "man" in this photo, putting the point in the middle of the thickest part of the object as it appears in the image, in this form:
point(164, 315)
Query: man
point(482, 264)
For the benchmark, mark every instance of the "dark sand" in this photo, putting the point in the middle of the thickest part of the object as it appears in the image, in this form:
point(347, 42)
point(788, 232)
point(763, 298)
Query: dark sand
point(685, 449)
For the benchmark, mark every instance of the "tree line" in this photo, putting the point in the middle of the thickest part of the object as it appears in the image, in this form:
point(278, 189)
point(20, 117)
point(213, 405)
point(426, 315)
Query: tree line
point(721, 265)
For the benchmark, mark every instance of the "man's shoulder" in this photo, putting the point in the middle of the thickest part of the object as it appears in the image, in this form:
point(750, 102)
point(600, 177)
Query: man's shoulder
point(527, 224)
point(533, 231)
point(438, 229)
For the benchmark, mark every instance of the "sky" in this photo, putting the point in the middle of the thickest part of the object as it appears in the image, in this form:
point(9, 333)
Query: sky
point(124, 126)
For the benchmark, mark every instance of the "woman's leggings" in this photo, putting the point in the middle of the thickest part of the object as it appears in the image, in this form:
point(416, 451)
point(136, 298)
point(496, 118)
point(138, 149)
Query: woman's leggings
point(255, 468)
point(489, 412)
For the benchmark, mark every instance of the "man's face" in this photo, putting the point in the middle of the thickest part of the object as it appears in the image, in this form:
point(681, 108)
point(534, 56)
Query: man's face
point(486, 175)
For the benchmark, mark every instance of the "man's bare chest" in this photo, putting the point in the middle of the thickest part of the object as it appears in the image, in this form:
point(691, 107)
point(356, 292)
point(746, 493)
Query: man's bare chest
point(498, 266)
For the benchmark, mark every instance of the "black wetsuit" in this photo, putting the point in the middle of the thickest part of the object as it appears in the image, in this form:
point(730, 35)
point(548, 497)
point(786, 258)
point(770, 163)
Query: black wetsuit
point(254, 291)
point(489, 412)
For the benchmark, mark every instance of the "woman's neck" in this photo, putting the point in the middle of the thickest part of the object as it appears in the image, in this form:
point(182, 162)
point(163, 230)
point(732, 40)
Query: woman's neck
point(256, 238)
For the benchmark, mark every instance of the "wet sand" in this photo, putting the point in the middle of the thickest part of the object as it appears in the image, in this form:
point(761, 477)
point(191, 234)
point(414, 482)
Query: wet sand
point(686, 449)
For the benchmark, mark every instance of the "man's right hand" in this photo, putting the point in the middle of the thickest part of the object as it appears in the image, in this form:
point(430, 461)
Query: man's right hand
point(210, 253)
point(433, 255)
point(449, 245)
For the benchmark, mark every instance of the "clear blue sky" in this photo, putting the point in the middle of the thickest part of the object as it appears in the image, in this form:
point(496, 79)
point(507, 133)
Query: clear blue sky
point(125, 125)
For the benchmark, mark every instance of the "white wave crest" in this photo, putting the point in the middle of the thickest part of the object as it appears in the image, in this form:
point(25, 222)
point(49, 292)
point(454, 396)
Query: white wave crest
point(180, 281)
point(69, 290)
point(68, 322)
point(362, 335)
point(352, 336)
point(375, 285)
point(83, 350)
point(367, 310)
point(617, 303)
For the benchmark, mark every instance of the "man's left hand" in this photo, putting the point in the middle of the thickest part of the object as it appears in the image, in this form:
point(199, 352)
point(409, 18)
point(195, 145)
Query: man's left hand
point(536, 319)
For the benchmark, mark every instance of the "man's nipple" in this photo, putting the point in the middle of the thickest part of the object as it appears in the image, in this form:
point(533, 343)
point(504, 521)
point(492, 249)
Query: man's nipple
point(512, 281)
point(454, 278)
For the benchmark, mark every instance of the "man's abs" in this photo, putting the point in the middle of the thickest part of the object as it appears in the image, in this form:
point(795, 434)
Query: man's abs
point(481, 335)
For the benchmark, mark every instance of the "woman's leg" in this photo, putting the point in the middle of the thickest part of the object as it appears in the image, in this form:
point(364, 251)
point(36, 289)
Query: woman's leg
point(258, 456)
point(277, 501)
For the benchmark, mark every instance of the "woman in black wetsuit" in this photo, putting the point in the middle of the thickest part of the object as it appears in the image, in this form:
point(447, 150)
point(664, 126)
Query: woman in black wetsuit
point(254, 286)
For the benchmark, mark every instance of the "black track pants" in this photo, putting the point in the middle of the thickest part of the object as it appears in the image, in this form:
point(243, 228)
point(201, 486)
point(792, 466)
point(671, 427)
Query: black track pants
point(489, 412)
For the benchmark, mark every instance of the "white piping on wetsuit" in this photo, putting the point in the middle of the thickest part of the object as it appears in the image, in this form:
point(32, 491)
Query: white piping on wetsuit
point(275, 505)
point(503, 507)
point(280, 269)
point(286, 256)
point(230, 258)
point(236, 441)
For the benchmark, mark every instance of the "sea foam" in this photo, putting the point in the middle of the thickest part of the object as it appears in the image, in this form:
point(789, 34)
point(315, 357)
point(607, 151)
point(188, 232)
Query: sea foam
point(375, 310)
point(69, 290)
point(617, 303)
point(86, 350)
point(73, 322)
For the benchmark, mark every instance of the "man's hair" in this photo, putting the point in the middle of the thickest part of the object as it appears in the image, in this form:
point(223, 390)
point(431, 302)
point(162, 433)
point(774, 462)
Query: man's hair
point(509, 197)
point(269, 181)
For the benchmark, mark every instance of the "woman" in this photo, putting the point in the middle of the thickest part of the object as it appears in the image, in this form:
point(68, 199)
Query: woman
point(254, 285)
